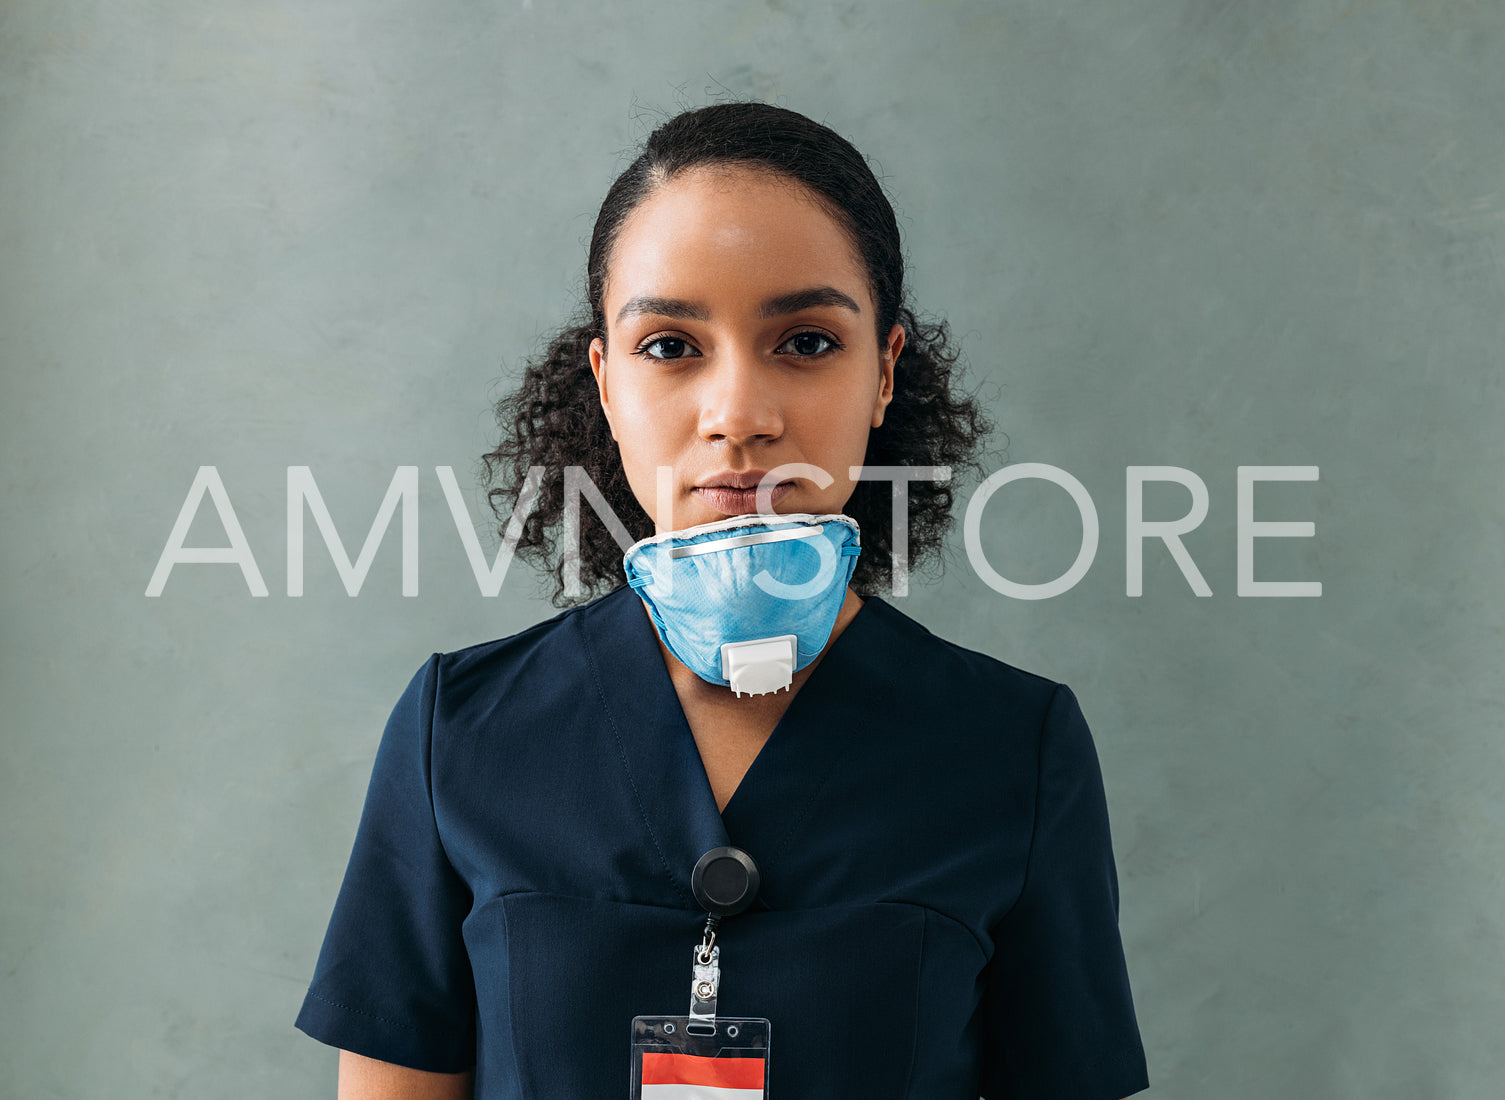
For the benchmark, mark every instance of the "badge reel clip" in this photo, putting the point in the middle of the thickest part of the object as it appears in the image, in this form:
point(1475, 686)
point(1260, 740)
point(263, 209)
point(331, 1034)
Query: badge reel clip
point(701, 1050)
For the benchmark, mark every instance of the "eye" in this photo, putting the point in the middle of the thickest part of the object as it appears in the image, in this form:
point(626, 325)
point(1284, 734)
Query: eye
point(807, 344)
point(672, 347)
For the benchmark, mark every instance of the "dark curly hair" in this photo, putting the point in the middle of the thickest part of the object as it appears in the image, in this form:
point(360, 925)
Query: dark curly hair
point(554, 418)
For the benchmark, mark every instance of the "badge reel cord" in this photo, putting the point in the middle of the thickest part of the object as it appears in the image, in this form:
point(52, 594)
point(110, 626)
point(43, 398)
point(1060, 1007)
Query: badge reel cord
point(724, 882)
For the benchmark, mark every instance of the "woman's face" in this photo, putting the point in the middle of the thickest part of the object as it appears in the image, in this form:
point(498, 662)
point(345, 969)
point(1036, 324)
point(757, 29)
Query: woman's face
point(742, 337)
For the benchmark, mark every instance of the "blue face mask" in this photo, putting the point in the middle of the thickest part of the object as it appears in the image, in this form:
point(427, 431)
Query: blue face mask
point(749, 600)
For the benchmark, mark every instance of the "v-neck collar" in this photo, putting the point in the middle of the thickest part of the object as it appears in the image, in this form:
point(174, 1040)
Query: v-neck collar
point(663, 764)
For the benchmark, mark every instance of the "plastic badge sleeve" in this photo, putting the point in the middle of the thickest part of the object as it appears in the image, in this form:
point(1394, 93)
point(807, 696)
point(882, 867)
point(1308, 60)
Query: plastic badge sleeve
point(669, 1062)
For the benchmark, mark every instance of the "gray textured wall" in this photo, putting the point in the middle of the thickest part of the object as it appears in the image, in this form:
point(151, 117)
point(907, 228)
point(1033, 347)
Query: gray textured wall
point(1187, 233)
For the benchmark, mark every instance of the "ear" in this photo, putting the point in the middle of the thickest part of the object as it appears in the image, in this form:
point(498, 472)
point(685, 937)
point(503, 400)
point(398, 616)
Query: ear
point(886, 360)
point(598, 368)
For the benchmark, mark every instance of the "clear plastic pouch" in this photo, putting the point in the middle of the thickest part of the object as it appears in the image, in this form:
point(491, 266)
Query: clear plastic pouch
point(724, 1061)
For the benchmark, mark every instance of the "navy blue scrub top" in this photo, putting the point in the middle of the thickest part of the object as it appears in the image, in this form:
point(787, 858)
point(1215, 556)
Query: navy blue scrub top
point(938, 916)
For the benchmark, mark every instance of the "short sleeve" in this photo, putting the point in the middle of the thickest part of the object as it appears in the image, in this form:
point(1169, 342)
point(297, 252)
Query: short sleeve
point(1057, 1013)
point(393, 981)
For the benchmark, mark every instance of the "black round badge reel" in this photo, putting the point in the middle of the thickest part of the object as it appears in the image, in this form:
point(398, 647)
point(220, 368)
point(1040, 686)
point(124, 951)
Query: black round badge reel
point(725, 881)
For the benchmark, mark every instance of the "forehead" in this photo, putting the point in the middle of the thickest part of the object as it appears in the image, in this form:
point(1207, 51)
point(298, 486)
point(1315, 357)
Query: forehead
point(731, 236)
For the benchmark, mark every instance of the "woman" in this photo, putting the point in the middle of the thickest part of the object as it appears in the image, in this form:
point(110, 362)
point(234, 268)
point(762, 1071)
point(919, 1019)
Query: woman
point(935, 911)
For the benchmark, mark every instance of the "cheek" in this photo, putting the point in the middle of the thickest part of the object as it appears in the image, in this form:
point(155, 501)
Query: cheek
point(645, 437)
point(846, 415)
point(834, 431)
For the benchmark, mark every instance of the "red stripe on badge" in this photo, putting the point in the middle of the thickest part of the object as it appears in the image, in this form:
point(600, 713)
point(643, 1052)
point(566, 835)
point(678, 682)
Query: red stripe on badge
point(666, 1068)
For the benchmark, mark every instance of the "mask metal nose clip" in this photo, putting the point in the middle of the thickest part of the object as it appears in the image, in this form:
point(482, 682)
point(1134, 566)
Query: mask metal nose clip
point(759, 666)
point(753, 539)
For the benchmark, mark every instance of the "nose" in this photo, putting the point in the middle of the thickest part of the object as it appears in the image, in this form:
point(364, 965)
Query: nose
point(739, 402)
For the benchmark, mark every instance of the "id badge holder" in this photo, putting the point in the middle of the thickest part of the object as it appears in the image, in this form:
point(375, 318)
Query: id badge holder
point(698, 1056)
point(702, 1056)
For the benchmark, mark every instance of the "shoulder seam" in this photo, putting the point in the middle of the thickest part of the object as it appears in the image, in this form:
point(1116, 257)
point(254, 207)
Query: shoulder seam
point(1034, 824)
point(428, 761)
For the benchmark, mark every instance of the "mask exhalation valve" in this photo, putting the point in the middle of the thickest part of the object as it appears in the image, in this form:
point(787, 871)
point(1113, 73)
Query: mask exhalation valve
point(759, 666)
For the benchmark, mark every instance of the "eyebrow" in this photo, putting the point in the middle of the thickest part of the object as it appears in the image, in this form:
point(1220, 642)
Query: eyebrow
point(776, 306)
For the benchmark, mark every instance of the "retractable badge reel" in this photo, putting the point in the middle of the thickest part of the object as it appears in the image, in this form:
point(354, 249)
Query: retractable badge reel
point(702, 1055)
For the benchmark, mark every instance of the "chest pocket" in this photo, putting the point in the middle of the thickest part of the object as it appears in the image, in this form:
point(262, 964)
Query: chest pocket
point(839, 986)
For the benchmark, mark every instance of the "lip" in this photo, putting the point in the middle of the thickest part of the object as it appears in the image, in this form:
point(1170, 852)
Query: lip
point(732, 479)
point(734, 493)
